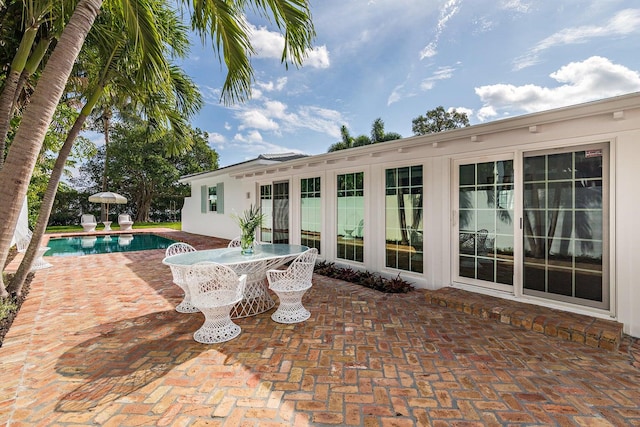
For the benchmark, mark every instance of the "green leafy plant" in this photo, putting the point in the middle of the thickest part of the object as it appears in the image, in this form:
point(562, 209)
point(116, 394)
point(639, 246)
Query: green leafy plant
point(364, 278)
point(250, 219)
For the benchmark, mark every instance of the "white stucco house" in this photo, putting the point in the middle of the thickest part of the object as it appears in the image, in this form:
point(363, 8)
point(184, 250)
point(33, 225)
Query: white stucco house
point(538, 208)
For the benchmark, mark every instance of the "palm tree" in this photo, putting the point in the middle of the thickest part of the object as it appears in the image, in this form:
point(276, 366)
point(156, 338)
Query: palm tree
point(347, 140)
point(115, 78)
point(377, 135)
point(221, 20)
point(24, 62)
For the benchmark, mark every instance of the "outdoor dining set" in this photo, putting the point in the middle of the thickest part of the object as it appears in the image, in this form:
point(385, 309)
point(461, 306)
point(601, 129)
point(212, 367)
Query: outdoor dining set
point(225, 284)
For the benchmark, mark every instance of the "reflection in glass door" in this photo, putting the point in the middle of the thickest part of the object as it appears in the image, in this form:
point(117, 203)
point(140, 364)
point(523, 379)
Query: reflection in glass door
point(266, 208)
point(281, 212)
point(486, 224)
point(564, 224)
point(350, 216)
point(274, 204)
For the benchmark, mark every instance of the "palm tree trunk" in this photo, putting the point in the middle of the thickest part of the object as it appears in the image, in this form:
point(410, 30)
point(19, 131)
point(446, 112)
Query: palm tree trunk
point(6, 99)
point(11, 85)
point(31, 66)
point(21, 159)
point(47, 203)
point(50, 194)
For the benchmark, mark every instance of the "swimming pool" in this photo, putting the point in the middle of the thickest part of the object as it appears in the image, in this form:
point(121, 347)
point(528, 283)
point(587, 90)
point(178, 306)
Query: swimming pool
point(90, 245)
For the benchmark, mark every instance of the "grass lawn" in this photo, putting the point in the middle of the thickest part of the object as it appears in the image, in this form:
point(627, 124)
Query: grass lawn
point(72, 228)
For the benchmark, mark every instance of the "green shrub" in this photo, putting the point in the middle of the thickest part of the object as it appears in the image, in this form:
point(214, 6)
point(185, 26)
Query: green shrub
point(7, 307)
point(364, 278)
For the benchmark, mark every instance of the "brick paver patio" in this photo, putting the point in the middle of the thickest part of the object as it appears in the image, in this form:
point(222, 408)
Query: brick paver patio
point(98, 343)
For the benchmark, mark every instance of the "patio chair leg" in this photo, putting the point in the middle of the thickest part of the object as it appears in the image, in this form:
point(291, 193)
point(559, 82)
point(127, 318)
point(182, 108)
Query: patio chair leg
point(185, 306)
point(290, 309)
point(218, 326)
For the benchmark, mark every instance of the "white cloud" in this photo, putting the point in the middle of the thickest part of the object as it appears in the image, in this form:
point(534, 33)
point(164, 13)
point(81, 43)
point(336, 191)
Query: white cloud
point(442, 73)
point(450, 8)
point(623, 23)
point(216, 138)
point(320, 120)
point(254, 144)
point(271, 86)
point(429, 50)
point(318, 57)
point(274, 116)
point(401, 92)
point(251, 137)
point(467, 111)
point(267, 44)
point(592, 79)
point(516, 6)
point(486, 113)
point(270, 44)
point(256, 119)
point(396, 95)
point(210, 95)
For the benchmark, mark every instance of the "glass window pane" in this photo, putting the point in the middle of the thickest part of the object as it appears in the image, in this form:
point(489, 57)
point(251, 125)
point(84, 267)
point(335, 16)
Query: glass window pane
point(486, 173)
point(403, 211)
point(589, 164)
point(504, 171)
point(467, 197)
point(486, 224)
point(350, 217)
point(310, 209)
point(467, 174)
point(560, 166)
point(564, 226)
point(535, 168)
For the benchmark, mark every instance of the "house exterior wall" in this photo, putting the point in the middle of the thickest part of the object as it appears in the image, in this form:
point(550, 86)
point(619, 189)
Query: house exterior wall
point(216, 223)
point(615, 121)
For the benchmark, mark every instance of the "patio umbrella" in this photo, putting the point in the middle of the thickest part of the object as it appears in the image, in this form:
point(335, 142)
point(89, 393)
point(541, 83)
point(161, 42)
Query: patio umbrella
point(107, 197)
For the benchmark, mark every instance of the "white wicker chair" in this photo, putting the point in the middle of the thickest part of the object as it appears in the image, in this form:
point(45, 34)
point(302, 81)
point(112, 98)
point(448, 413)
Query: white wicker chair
point(179, 275)
point(290, 285)
point(125, 222)
point(215, 289)
point(88, 222)
point(23, 243)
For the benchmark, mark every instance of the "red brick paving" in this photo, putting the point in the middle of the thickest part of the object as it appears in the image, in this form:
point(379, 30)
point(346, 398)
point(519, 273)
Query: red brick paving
point(98, 343)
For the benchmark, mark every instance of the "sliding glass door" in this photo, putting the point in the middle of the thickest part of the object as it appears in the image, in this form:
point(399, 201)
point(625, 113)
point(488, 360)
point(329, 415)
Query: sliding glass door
point(560, 229)
point(485, 236)
point(274, 204)
point(565, 223)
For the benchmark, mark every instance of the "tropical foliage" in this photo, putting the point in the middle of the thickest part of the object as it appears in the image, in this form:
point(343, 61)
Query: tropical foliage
point(378, 134)
point(141, 170)
point(37, 23)
point(439, 120)
point(363, 278)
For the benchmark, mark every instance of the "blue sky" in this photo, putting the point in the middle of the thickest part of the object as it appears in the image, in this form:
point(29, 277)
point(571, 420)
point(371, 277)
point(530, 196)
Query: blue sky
point(397, 59)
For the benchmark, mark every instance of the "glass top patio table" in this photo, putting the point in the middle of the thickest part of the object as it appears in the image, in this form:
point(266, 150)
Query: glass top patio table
point(265, 257)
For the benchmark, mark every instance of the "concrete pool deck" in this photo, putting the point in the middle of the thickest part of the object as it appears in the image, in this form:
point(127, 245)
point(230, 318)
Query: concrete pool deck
point(97, 342)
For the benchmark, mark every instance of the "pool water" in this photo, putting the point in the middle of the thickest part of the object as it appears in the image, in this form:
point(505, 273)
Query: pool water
point(90, 245)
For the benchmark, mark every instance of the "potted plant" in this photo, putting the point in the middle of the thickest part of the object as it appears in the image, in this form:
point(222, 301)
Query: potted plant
point(250, 219)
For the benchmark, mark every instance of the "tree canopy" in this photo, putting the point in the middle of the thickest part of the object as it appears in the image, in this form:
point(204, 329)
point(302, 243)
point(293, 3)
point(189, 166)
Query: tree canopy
point(224, 23)
point(439, 120)
point(378, 134)
point(140, 169)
